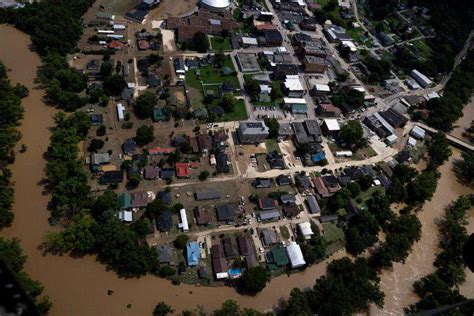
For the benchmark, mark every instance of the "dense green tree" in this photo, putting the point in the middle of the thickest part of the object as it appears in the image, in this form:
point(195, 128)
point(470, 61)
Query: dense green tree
point(465, 168)
point(252, 87)
point(200, 42)
point(114, 84)
point(351, 134)
point(144, 135)
point(361, 232)
point(337, 201)
point(144, 105)
point(162, 309)
point(106, 69)
point(95, 145)
point(349, 287)
point(422, 187)
point(181, 241)
point(273, 127)
point(298, 304)
point(142, 227)
point(438, 149)
point(379, 206)
point(231, 308)
point(253, 280)
point(12, 254)
point(203, 175)
point(228, 102)
point(118, 247)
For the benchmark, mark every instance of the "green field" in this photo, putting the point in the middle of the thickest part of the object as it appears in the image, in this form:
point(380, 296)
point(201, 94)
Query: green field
point(332, 233)
point(272, 145)
point(284, 232)
point(425, 50)
point(239, 113)
point(219, 43)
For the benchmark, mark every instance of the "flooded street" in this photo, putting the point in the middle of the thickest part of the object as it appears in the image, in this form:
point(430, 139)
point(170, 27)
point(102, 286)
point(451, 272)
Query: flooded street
point(397, 284)
point(79, 286)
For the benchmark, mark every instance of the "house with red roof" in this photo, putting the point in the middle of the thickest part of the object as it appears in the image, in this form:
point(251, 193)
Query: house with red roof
point(321, 187)
point(182, 170)
point(161, 150)
point(117, 45)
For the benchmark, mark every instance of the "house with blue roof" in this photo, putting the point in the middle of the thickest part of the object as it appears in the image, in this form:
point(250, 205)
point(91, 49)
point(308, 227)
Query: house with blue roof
point(193, 252)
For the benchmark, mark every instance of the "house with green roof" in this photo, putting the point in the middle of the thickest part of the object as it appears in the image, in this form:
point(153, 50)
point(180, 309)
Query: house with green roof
point(159, 114)
point(125, 201)
point(277, 258)
point(299, 108)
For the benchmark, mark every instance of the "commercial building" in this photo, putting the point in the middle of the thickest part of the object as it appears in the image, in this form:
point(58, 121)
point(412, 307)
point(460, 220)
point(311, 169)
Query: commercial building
point(252, 132)
point(247, 62)
point(296, 105)
point(293, 86)
point(423, 80)
point(314, 64)
point(331, 127)
point(215, 5)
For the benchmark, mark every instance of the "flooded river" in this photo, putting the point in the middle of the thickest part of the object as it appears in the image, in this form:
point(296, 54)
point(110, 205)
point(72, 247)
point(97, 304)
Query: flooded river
point(465, 121)
point(79, 286)
point(397, 283)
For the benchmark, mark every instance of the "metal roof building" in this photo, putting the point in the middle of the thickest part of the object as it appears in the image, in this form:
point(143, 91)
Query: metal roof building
point(215, 5)
point(295, 255)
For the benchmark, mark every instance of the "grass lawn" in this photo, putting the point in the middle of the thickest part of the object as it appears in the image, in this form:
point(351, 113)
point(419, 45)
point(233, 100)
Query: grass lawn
point(284, 232)
point(365, 195)
point(321, 2)
point(239, 113)
point(332, 232)
point(425, 50)
point(221, 43)
point(354, 33)
point(364, 153)
point(272, 145)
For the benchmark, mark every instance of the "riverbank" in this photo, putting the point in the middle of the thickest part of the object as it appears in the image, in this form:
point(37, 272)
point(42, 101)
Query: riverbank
point(397, 284)
point(464, 122)
point(79, 286)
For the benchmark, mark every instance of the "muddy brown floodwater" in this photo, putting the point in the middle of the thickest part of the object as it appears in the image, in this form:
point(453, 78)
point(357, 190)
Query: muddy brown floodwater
point(465, 121)
point(397, 284)
point(79, 286)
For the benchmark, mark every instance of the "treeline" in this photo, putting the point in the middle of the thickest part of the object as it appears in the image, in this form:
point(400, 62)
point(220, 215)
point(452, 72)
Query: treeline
point(55, 27)
point(351, 286)
point(11, 113)
point(440, 288)
point(62, 83)
point(228, 308)
point(92, 226)
point(445, 111)
point(13, 256)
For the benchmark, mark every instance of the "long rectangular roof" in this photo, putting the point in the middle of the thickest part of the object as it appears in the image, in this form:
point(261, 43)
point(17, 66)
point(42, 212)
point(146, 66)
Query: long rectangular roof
point(295, 255)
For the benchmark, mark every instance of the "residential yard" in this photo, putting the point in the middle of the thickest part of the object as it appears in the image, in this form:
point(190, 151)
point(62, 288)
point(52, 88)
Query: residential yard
point(332, 233)
point(365, 195)
point(285, 233)
point(360, 154)
point(272, 145)
point(239, 113)
point(364, 153)
point(425, 50)
point(219, 43)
